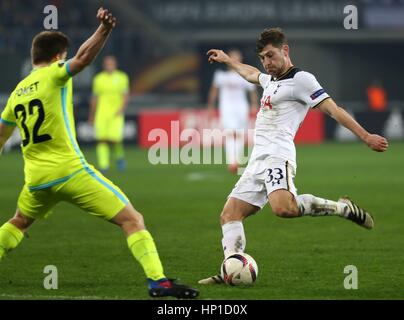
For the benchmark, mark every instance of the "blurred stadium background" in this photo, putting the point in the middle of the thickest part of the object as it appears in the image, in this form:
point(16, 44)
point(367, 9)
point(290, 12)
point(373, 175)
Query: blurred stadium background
point(162, 45)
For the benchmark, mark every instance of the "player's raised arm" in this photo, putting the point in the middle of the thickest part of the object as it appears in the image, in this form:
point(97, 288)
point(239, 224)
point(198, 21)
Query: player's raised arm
point(5, 133)
point(246, 71)
point(91, 47)
point(374, 141)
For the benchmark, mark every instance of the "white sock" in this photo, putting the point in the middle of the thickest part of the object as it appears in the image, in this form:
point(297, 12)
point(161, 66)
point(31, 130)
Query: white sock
point(230, 149)
point(314, 206)
point(233, 237)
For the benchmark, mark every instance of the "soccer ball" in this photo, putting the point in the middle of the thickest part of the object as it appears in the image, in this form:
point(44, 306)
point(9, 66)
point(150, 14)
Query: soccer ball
point(239, 269)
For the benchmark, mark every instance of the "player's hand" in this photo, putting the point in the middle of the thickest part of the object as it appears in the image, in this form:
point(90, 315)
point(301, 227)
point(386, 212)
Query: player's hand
point(376, 142)
point(106, 18)
point(216, 55)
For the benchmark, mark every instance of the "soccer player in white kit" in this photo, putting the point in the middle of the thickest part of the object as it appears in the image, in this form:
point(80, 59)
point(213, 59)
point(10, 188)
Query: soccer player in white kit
point(234, 108)
point(288, 95)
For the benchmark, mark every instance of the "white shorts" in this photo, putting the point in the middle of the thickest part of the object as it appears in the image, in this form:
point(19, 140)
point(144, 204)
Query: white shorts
point(262, 177)
point(234, 122)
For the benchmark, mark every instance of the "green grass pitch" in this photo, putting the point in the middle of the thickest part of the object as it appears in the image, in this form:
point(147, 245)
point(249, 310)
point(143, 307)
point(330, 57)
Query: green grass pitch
point(297, 258)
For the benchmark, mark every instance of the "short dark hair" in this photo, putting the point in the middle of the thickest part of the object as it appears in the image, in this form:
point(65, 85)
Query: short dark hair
point(273, 36)
point(47, 44)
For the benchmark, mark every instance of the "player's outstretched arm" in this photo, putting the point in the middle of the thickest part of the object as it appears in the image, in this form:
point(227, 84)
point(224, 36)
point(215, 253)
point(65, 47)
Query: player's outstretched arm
point(5, 133)
point(92, 46)
point(374, 141)
point(248, 72)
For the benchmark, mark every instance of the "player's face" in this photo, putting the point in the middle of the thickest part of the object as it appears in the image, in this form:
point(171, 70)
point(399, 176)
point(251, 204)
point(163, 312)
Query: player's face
point(236, 55)
point(273, 59)
point(109, 64)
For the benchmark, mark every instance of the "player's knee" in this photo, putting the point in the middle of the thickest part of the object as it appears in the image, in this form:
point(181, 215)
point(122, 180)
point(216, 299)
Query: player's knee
point(133, 223)
point(223, 218)
point(21, 222)
point(284, 212)
point(129, 220)
point(229, 215)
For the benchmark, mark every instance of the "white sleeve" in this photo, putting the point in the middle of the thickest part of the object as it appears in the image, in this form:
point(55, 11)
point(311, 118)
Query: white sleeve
point(264, 79)
point(308, 90)
point(217, 78)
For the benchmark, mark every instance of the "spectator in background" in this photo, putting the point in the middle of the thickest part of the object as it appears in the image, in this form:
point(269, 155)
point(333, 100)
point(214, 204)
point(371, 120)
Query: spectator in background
point(377, 97)
point(107, 112)
point(231, 91)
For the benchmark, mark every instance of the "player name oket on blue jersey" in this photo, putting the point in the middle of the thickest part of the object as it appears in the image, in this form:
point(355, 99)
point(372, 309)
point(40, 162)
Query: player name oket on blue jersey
point(204, 309)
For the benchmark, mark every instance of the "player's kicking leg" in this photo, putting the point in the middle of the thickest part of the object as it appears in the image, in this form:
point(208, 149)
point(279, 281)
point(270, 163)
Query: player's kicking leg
point(357, 214)
point(12, 232)
point(284, 204)
point(234, 240)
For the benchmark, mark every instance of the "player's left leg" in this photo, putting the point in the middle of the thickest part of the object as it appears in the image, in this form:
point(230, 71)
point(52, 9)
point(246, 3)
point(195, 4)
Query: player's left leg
point(140, 241)
point(143, 248)
point(247, 198)
point(12, 232)
point(235, 211)
point(94, 193)
point(31, 205)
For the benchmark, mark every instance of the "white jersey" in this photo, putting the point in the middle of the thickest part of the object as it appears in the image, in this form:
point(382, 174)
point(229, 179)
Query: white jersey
point(233, 101)
point(284, 105)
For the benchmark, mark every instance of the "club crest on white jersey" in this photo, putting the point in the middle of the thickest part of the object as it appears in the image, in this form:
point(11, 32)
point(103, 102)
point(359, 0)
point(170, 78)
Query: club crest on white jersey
point(284, 105)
